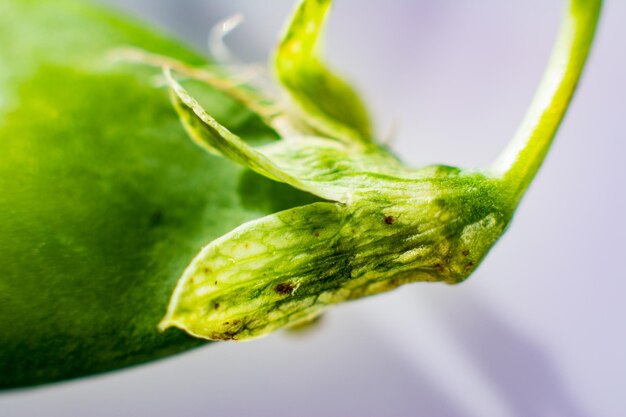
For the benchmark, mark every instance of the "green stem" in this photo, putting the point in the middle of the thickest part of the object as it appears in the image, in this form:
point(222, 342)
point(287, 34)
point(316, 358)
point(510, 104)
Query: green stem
point(519, 163)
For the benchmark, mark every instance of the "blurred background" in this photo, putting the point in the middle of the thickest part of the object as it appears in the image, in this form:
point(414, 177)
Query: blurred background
point(537, 331)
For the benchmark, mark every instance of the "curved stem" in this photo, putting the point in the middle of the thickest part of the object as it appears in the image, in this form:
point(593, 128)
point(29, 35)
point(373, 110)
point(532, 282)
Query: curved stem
point(519, 163)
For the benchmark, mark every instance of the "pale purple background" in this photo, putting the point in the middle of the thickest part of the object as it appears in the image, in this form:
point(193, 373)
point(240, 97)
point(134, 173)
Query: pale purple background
point(539, 330)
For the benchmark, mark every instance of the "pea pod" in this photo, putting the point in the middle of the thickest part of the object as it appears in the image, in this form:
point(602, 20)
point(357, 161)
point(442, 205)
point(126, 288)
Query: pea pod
point(105, 203)
point(103, 200)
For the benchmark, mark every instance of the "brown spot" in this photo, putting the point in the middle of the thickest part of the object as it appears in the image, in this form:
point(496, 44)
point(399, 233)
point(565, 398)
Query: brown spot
point(216, 306)
point(207, 270)
point(466, 252)
point(215, 282)
point(317, 234)
point(440, 267)
point(226, 322)
point(284, 288)
point(246, 245)
point(469, 265)
point(389, 219)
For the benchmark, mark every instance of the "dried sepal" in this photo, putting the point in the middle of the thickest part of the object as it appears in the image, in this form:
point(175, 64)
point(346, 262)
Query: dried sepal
point(384, 224)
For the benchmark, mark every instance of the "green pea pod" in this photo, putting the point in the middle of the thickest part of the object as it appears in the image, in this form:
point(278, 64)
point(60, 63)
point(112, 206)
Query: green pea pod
point(104, 203)
point(103, 200)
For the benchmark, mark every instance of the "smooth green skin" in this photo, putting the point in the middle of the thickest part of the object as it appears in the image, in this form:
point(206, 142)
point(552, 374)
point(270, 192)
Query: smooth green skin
point(103, 199)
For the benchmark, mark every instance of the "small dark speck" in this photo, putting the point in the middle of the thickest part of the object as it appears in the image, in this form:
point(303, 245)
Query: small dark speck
point(284, 288)
point(466, 252)
point(389, 219)
point(216, 305)
point(469, 266)
point(226, 322)
point(215, 282)
point(317, 234)
point(156, 218)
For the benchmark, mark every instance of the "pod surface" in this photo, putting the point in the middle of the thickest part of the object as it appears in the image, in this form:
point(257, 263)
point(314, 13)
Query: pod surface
point(103, 199)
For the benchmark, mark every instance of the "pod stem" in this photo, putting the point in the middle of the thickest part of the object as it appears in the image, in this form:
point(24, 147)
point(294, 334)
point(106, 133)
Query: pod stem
point(520, 161)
